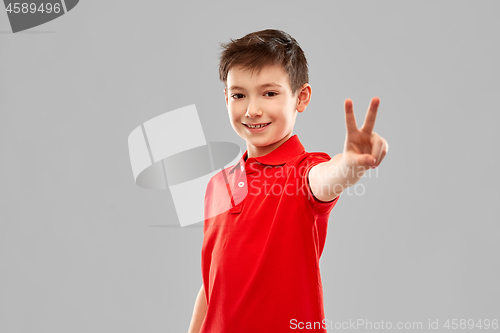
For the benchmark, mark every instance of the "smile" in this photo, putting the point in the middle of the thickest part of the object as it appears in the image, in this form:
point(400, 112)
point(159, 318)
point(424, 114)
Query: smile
point(258, 126)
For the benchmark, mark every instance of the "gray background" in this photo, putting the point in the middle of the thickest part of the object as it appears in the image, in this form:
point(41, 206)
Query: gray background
point(84, 249)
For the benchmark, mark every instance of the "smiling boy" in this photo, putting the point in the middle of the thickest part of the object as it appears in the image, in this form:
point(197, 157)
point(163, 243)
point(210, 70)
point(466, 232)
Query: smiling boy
point(260, 257)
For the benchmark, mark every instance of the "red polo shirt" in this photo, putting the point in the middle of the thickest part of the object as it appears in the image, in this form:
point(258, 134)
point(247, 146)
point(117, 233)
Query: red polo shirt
point(260, 254)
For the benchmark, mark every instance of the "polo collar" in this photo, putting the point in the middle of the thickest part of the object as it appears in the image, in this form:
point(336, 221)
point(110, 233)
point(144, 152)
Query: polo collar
point(288, 150)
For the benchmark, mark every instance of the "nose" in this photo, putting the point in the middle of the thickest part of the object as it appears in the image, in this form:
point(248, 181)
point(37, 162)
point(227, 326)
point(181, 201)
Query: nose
point(253, 110)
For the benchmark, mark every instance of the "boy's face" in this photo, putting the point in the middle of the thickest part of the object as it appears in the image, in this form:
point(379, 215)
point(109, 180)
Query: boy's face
point(249, 102)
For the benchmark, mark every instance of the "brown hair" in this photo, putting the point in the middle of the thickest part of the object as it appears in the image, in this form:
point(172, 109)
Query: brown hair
point(265, 47)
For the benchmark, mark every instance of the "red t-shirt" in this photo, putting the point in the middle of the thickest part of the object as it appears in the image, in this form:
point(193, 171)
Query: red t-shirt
point(264, 233)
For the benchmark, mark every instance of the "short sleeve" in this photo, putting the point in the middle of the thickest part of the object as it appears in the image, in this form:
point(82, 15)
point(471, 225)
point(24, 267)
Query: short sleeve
point(317, 205)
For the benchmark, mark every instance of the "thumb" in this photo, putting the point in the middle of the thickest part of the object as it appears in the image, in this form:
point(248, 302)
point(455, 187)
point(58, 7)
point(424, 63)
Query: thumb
point(366, 160)
point(359, 160)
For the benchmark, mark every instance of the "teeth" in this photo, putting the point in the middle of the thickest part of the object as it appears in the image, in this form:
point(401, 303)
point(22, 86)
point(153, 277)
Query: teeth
point(258, 126)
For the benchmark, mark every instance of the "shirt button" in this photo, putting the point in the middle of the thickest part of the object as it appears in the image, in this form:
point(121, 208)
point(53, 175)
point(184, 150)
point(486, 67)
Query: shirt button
point(242, 168)
point(240, 184)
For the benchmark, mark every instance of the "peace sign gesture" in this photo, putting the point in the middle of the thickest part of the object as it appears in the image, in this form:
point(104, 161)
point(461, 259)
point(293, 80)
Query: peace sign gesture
point(363, 147)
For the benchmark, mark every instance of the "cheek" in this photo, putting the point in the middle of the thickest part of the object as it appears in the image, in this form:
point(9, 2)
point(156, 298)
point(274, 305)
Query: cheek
point(234, 119)
point(232, 115)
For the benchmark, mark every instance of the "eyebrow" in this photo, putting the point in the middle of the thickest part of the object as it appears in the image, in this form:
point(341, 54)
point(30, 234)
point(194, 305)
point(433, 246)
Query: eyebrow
point(265, 85)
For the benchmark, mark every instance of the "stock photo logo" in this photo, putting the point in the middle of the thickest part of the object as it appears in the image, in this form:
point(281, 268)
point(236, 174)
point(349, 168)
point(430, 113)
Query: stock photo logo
point(32, 13)
point(170, 152)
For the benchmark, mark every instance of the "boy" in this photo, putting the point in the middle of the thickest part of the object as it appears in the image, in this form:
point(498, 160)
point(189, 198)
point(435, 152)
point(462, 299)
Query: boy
point(260, 257)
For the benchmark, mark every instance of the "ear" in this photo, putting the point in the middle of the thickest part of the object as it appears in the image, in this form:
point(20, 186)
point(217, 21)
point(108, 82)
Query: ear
point(303, 97)
point(225, 96)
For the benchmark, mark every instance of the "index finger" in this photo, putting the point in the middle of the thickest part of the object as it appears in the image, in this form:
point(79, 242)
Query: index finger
point(371, 115)
point(350, 119)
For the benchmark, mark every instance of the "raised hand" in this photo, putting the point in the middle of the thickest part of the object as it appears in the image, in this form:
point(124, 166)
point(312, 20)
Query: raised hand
point(363, 147)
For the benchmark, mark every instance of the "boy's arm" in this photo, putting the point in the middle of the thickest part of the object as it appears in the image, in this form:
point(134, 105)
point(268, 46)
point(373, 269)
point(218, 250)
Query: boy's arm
point(199, 312)
point(363, 150)
point(328, 180)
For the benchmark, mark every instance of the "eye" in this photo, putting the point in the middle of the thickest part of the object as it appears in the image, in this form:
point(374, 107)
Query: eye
point(236, 95)
point(271, 92)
